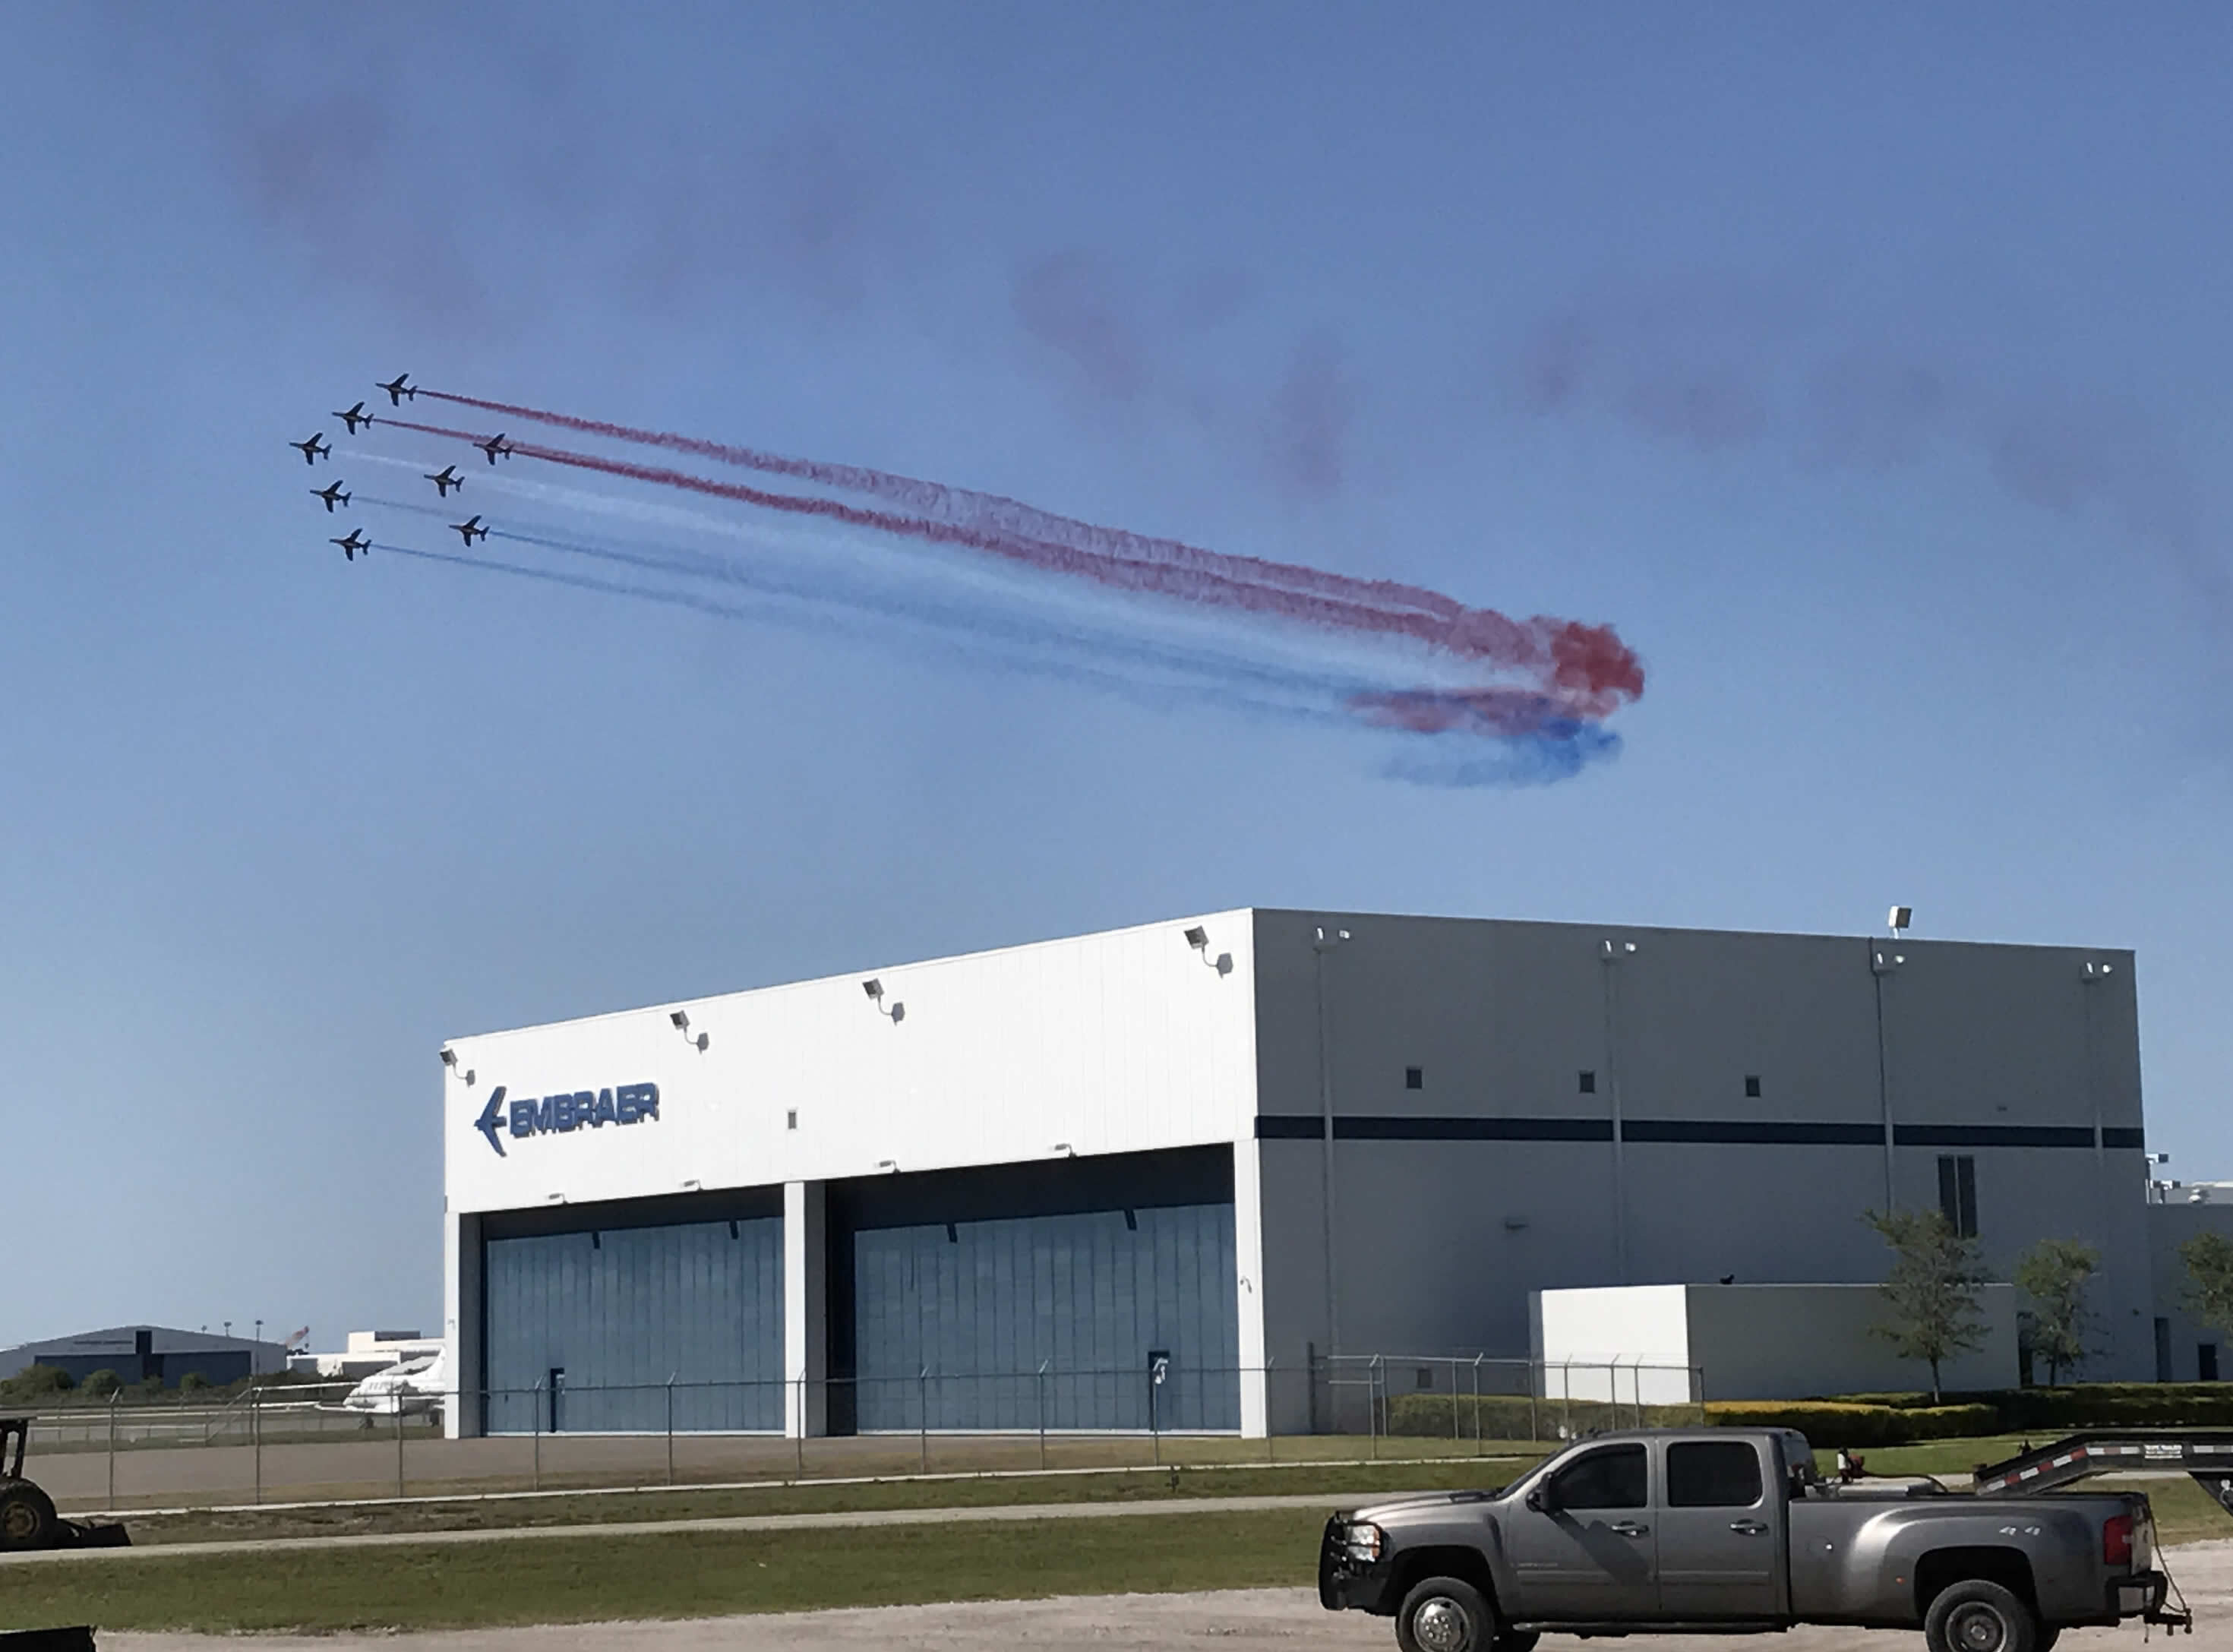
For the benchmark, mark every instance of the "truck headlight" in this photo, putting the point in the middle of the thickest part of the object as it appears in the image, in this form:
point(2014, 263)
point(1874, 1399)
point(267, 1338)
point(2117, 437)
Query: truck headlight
point(1363, 1541)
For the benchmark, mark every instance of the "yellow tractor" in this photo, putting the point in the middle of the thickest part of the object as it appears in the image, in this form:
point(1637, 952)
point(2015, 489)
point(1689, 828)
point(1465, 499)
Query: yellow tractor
point(28, 1519)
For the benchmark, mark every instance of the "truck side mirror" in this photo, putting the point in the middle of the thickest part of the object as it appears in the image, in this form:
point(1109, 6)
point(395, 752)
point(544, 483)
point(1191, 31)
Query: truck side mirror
point(1543, 1500)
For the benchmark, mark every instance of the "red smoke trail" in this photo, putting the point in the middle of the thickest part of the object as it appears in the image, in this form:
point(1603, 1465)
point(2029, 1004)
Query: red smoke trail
point(1587, 664)
point(996, 513)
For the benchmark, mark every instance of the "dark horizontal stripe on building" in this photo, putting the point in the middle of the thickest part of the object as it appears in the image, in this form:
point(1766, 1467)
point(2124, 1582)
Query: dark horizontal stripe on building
point(1305, 1126)
point(2119, 1135)
point(1778, 1132)
point(1992, 1136)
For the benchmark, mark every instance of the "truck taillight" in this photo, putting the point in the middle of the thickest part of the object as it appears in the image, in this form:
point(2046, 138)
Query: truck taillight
point(2117, 1540)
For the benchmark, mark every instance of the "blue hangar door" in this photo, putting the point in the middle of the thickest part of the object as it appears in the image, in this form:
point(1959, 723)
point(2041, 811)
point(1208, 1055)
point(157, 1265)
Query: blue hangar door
point(589, 1311)
point(950, 1290)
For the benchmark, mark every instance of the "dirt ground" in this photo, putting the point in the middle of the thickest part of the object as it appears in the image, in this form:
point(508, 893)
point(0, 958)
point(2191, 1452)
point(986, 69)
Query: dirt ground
point(1289, 1619)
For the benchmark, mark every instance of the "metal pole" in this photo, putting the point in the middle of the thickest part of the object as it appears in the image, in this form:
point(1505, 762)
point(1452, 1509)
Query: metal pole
point(1457, 1434)
point(538, 1482)
point(1039, 1384)
point(1566, 1400)
point(256, 1432)
point(1535, 1374)
point(670, 1427)
point(1477, 1446)
point(799, 1455)
point(112, 1399)
point(1372, 1402)
point(399, 1442)
point(923, 1416)
point(1270, 1435)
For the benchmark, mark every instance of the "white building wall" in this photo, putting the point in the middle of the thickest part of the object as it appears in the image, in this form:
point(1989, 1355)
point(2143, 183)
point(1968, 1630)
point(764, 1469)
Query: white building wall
point(1114, 1043)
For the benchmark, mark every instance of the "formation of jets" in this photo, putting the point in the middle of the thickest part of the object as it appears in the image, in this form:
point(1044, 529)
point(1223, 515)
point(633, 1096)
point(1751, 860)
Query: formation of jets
point(333, 494)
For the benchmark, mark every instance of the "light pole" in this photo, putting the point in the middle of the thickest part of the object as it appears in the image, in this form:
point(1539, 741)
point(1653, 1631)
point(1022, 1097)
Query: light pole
point(1323, 942)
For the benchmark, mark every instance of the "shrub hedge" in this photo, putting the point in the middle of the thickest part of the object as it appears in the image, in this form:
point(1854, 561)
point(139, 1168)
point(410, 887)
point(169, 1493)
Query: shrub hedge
point(1833, 1423)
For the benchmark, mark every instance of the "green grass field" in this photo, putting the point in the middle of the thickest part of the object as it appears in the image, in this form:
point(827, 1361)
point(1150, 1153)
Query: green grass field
point(595, 1578)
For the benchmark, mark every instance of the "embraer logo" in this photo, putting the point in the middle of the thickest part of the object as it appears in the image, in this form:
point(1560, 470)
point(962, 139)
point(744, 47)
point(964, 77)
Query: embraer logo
point(581, 1110)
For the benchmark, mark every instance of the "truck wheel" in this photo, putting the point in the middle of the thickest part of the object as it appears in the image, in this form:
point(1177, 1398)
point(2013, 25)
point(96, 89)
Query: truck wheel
point(26, 1516)
point(1445, 1614)
point(1978, 1616)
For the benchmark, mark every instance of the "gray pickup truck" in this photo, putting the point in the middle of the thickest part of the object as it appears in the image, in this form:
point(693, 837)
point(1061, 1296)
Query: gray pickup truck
point(1727, 1530)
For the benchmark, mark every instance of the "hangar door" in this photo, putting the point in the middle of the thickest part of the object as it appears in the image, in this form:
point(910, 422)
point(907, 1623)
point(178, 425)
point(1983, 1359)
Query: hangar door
point(1129, 1304)
point(586, 1328)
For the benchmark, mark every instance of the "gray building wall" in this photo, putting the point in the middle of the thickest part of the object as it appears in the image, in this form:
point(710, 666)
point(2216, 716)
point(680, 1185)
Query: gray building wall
point(2183, 1336)
point(1500, 1173)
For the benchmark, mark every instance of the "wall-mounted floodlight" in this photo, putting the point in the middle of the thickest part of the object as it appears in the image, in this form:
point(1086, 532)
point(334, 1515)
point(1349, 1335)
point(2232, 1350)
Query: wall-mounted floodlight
point(875, 989)
point(1065, 1149)
point(1327, 939)
point(892, 1165)
point(1198, 938)
point(1899, 918)
point(2159, 1158)
point(449, 1056)
point(681, 1020)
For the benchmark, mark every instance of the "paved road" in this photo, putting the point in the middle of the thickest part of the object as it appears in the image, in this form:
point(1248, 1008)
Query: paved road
point(725, 1523)
point(1288, 1620)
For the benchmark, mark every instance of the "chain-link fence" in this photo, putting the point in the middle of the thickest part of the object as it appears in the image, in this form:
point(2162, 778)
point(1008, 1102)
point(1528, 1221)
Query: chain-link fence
point(295, 1442)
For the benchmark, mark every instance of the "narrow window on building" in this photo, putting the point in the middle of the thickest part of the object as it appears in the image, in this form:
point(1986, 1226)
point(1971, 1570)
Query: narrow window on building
point(1415, 1078)
point(1131, 1219)
point(1752, 1084)
point(2205, 1361)
point(953, 1237)
point(2163, 1348)
point(791, 1120)
point(1957, 1193)
point(1426, 1377)
point(1589, 1082)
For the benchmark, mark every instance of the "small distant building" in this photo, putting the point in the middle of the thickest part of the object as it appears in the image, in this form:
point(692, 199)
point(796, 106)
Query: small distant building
point(138, 1353)
point(368, 1351)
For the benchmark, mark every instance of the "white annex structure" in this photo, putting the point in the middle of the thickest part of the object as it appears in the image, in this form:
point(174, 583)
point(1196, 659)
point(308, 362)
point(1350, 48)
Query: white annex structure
point(1668, 1344)
point(1151, 1178)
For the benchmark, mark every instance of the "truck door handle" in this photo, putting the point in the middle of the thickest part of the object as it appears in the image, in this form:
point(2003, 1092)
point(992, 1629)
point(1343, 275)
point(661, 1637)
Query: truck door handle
point(1750, 1528)
point(1627, 1529)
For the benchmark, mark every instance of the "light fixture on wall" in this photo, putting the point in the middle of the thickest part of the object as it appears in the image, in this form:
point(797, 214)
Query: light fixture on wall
point(875, 988)
point(1065, 1149)
point(1898, 919)
point(892, 1165)
point(681, 1020)
point(1198, 938)
point(450, 1060)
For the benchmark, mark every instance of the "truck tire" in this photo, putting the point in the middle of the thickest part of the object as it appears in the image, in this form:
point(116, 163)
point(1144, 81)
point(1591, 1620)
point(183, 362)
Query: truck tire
point(1975, 1616)
point(1445, 1614)
point(26, 1516)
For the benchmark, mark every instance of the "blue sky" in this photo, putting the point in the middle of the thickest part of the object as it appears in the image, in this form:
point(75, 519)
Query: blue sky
point(1866, 366)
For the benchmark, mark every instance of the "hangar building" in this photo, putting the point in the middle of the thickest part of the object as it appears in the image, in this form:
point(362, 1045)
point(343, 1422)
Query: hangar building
point(967, 1192)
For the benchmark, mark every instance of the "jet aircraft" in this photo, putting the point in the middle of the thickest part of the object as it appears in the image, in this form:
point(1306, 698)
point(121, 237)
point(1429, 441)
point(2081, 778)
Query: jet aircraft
point(471, 527)
point(496, 447)
point(446, 479)
point(354, 416)
point(332, 494)
point(353, 543)
point(397, 390)
point(313, 450)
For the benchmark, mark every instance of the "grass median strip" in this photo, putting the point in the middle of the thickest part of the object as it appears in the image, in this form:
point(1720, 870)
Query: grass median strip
point(595, 1577)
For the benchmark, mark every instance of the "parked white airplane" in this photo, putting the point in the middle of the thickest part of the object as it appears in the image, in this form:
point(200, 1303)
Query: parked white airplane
point(414, 1386)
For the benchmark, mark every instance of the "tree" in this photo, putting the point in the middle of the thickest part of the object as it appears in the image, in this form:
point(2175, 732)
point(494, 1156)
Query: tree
point(193, 1381)
point(2208, 1258)
point(1930, 1294)
point(101, 1384)
point(2054, 1274)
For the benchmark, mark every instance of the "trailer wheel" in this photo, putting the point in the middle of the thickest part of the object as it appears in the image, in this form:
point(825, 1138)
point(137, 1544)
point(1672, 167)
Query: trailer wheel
point(1445, 1614)
point(26, 1516)
point(1975, 1616)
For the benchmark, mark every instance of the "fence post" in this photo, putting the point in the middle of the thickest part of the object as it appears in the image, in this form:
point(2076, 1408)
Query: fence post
point(923, 1416)
point(1271, 1449)
point(255, 1431)
point(1477, 1447)
point(537, 1482)
point(1372, 1402)
point(670, 1427)
point(112, 1399)
point(1566, 1400)
point(1535, 1374)
point(1039, 1384)
point(799, 1456)
point(399, 1442)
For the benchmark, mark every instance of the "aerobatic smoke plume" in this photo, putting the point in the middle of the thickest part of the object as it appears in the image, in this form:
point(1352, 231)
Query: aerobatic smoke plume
point(1474, 696)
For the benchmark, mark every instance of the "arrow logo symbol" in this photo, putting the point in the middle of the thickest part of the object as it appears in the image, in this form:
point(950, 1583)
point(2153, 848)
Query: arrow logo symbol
point(490, 1117)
